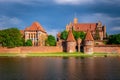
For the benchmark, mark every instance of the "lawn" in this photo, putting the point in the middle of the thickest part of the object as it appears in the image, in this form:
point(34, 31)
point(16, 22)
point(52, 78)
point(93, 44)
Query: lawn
point(63, 54)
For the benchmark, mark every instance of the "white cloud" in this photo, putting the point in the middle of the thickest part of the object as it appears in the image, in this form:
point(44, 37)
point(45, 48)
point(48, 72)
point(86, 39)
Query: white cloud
point(22, 1)
point(73, 2)
point(7, 22)
point(62, 2)
point(117, 28)
point(52, 32)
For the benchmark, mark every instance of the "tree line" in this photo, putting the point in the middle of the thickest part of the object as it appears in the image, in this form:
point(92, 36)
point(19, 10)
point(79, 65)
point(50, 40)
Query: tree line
point(13, 38)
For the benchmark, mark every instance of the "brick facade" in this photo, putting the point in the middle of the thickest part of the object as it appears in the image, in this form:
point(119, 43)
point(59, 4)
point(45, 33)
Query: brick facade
point(106, 49)
point(36, 33)
point(40, 49)
point(94, 28)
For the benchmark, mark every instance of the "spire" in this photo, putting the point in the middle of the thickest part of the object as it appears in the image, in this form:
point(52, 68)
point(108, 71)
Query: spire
point(75, 20)
point(89, 36)
point(70, 37)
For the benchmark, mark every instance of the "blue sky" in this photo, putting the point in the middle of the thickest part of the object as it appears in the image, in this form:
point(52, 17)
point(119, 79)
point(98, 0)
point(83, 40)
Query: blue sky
point(53, 15)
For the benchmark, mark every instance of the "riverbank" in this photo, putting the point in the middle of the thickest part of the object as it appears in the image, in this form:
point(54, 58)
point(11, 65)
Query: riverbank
point(63, 54)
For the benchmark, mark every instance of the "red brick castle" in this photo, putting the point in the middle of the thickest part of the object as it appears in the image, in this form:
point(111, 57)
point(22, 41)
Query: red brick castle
point(94, 28)
point(94, 31)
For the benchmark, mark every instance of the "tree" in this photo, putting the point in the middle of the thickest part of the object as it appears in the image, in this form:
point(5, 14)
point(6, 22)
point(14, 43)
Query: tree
point(78, 35)
point(51, 40)
point(97, 35)
point(11, 37)
point(114, 39)
point(64, 35)
point(28, 42)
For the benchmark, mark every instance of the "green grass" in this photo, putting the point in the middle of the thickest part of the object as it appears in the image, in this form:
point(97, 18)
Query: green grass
point(63, 54)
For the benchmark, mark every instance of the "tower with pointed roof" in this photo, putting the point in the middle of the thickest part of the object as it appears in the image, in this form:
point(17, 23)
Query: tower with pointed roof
point(88, 43)
point(71, 42)
point(36, 33)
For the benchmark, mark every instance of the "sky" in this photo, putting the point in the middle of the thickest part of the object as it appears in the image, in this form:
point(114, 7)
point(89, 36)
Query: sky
point(54, 15)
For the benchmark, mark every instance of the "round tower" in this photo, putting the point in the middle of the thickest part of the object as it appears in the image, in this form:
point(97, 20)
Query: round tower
point(71, 43)
point(79, 40)
point(88, 43)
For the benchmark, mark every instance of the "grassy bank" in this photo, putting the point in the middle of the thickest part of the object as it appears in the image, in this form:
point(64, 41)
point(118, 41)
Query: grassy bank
point(57, 55)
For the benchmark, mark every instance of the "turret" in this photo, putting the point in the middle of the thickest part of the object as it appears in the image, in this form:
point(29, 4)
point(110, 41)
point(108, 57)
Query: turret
point(79, 40)
point(104, 31)
point(88, 43)
point(71, 43)
point(67, 27)
point(75, 20)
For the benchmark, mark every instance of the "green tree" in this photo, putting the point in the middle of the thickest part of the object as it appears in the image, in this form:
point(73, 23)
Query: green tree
point(64, 35)
point(11, 37)
point(28, 42)
point(114, 39)
point(51, 40)
point(78, 35)
point(97, 36)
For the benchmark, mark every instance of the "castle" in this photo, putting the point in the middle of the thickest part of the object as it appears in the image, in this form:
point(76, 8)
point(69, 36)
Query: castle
point(93, 31)
point(95, 28)
point(93, 42)
point(36, 33)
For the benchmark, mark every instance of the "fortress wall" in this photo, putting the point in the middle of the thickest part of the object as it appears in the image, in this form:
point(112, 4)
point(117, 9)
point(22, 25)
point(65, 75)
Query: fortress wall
point(9, 50)
point(107, 49)
point(40, 49)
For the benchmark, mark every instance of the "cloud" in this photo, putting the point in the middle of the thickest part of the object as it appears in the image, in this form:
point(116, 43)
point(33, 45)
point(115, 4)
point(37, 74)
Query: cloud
point(25, 1)
point(117, 28)
point(73, 2)
point(7, 22)
point(52, 32)
point(61, 2)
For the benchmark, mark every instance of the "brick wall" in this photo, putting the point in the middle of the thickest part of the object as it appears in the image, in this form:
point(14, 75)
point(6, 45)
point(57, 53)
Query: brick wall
point(40, 49)
point(9, 50)
point(107, 49)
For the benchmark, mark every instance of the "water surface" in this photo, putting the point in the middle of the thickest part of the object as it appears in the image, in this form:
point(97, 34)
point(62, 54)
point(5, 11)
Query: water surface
point(58, 68)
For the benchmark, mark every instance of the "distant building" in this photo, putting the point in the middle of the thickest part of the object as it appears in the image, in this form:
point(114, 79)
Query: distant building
point(97, 30)
point(36, 33)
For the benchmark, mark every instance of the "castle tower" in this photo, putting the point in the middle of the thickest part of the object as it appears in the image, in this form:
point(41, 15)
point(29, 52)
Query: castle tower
point(104, 31)
point(67, 27)
point(71, 43)
point(79, 43)
point(75, 20)
point(88, 43)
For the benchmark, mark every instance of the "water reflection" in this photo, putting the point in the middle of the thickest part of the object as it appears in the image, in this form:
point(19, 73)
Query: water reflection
point(58, 68)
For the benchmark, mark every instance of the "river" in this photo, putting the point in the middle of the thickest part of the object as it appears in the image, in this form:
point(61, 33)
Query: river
point(60, 68)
